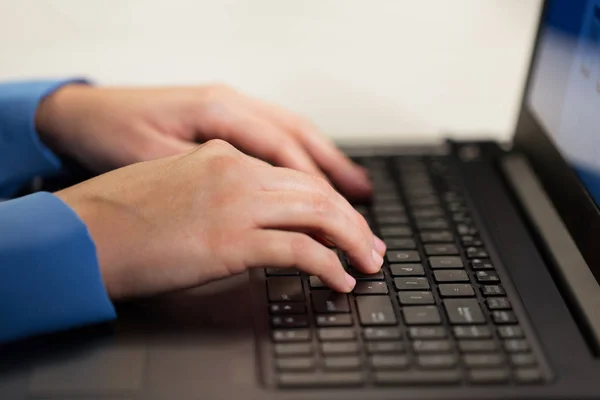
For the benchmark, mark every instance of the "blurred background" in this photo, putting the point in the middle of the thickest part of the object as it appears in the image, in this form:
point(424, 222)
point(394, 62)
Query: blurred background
point(361, 69)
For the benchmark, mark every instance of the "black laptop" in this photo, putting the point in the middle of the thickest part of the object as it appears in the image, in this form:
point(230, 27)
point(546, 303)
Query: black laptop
point(490, 287)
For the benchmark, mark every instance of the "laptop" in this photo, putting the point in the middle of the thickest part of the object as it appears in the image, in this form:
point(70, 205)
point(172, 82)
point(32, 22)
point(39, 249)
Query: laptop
point(490, 287)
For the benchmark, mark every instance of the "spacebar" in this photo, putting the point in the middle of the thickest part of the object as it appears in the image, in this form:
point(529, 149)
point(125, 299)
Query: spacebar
point(416, 377)
point(321, 379)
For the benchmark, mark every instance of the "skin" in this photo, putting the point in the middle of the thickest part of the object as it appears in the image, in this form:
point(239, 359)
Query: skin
point(172, 214)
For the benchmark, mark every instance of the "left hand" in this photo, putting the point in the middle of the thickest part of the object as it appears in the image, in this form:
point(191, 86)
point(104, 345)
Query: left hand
point(107, 128)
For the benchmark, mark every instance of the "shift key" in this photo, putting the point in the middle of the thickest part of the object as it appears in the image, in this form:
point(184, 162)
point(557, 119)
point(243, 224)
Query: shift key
point(285, 289)
point(375, 310)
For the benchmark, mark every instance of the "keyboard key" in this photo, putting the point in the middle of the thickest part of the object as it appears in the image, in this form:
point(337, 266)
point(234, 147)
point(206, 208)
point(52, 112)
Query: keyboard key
point(370, 334)
point(316, 283)
point(486, 276)
point(477, 346)
point(438, 223)
point(472, 332)
point(295, 364)
point(400, 244)
point(375, 310)
point(379, 361)
point(528, 375)
point(333, 334)
point(466, 229)
point(370, 287)
point(287, 308)
point(291, 335)
point(498, 303)
point(335, 348)
point(385, 347)
point(479, 264)
point(456, 290)
point(411, 283)
point(490, 360)
point(464, 311)
point(342, 363)
point(432, 346)
point(430, 212)
point(320, 379)
point(523, 360)
point(516, 346)
point(334, 320)
point(414, 298)
point(421, 315)
point(504, 317)
point(437, 237)
point(388, 208)
point(476, 252)
point(469, 240)
point(360, 276)
point(395, 231)
point(438, 361)
point(407, 270)
point(417, 377)
point(329, 302)
point(493, 290)
point(391, 219)
point(285, 289)
point(482, 376)
point(427, 332)
point(451, 275)
point(282, 271)
point(293, 349)
point(439, 262)
point(408, 256)
point(289, 321)
point(510, 332)
point(440, 249)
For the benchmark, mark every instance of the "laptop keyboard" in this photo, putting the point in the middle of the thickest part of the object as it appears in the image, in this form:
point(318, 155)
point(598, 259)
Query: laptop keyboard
point(437, 312)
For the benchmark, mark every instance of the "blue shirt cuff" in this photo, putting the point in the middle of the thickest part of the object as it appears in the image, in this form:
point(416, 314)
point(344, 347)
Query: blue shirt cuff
point(49, 274)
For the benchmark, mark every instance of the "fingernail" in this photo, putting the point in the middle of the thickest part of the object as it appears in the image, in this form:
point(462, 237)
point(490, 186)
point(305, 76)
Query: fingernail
point(379, 245)
point(378, 259)
point(351, 282)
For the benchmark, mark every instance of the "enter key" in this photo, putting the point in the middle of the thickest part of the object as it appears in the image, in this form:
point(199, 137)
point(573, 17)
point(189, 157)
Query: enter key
point(464, 311)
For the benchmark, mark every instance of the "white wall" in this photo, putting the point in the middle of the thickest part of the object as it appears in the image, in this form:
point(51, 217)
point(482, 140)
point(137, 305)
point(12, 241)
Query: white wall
point(357, 68)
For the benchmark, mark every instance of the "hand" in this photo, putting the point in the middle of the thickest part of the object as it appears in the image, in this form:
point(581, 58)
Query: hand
point(211, 212)
point(107, 128)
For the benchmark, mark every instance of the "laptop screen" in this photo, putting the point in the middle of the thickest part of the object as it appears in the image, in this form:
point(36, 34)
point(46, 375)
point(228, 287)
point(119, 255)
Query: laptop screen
point(564, 90)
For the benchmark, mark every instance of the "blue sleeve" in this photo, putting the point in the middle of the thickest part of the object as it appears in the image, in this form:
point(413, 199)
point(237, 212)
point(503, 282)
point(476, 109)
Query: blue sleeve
point(49, 275)
point(23, 156)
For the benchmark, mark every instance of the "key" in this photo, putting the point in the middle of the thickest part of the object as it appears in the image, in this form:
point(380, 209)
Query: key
point(504, 317)
point(465, 229)
point(472, 332)
point(482, 376)
point(321, 379)
point(334, 320)
point(432, 346)
point(316, 283)
point(375, 310)
point(293, 349)
point(456, 290)
point(397, 256)
point(395, 231)
point(400, 244)
point(285, 289)
point(510, 332)
point(469, 240)
point(438, 361)
point(339, 363)
point(437, 237)
point(388, 208)
point(281, 271)
point(407, 270)
point(486, 276)
point(370, 334)
point(431, 212)
point(528, 375)
point(451, 275)
point(477, 346)
point(370, 287)
point(287, 308)
point(329, 302)
point(476, 252)
point(391, 219)
point(385, 347)
point(359, 276)
point(523, 360)
point(516, 346)
point(483, 360)
point(493, 290)
point(440, 249)
point(295, 364)
point(413, 298)
point(289, 321)
point(411, 283)
point(292, 335)
point(421, 315)
point(439, 262)
point(498, 303)
point(335, 348)
point(464, 311)
point(438, 223)
point(334, 334)
point(478, 264)
point(417, 377)
point(427, 332)
point(379, 361)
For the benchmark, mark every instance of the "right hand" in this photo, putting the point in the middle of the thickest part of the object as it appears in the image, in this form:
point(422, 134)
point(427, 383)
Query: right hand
point(181, 221)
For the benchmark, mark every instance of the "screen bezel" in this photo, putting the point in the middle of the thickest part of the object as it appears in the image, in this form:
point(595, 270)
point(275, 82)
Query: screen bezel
point(565, 189)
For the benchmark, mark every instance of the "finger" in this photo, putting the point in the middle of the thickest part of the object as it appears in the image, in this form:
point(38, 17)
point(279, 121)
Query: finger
point(348, 176)
point(319, 215)
point(279, 249)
